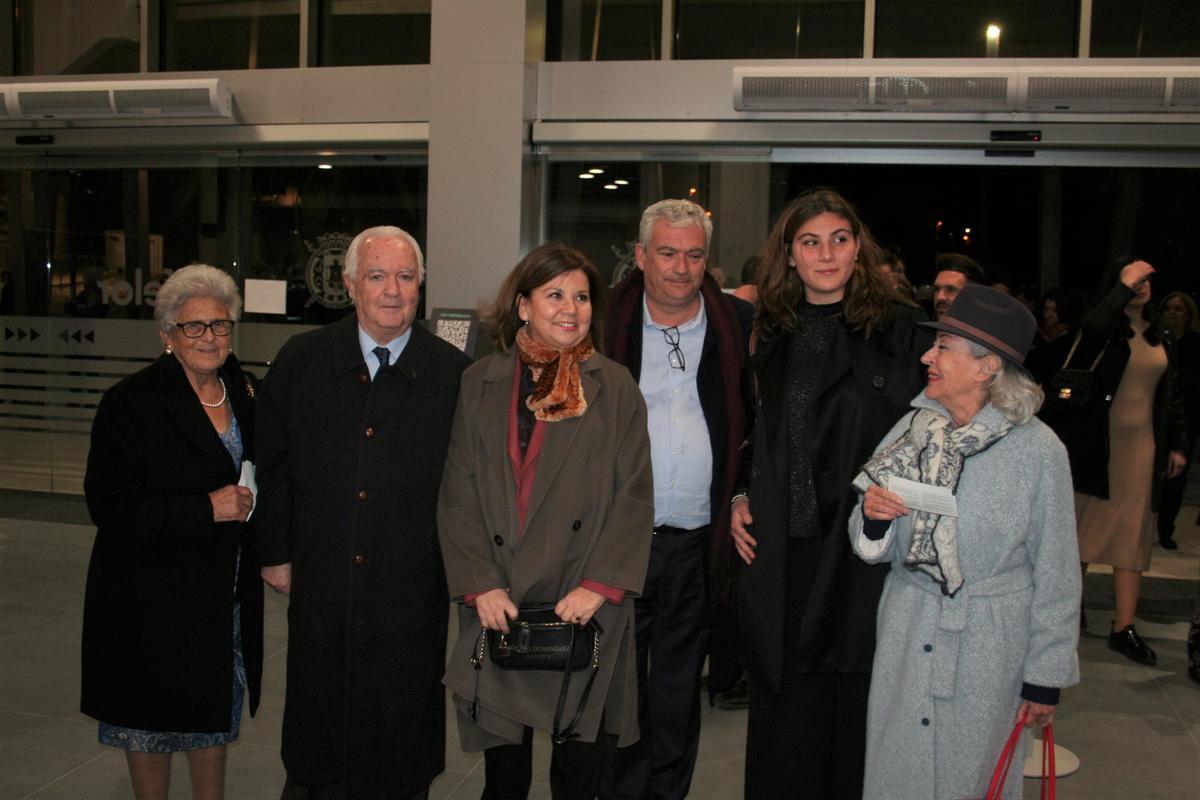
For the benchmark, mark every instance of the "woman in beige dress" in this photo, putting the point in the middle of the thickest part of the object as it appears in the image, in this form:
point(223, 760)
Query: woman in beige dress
point(1125, 442)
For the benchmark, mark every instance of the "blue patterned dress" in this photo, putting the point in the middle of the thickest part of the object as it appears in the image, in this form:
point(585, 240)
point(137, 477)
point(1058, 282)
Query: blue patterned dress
point(140, 741)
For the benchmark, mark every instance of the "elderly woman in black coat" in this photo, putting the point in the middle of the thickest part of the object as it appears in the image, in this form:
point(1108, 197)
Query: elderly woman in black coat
point(172, 620)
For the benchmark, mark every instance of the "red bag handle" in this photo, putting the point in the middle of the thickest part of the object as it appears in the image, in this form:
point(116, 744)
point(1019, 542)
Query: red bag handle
point(1000, 774)
point(1048, 772)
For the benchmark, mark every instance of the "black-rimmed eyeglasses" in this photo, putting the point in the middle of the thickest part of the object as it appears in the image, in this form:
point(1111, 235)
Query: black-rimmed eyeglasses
point(194, 329)
point(675, 355)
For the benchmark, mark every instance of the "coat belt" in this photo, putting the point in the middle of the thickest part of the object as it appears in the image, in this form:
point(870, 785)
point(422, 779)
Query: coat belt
point(952, 617)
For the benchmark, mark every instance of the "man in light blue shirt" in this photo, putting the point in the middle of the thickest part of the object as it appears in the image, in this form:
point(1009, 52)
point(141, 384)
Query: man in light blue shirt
point(686, 344)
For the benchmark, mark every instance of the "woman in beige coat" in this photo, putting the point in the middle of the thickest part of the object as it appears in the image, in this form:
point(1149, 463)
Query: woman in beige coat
point(546, 497)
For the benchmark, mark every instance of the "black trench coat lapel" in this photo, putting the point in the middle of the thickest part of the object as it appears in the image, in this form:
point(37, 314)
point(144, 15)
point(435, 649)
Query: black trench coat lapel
point(184, 407)
point(557, 445)
point(770, 361)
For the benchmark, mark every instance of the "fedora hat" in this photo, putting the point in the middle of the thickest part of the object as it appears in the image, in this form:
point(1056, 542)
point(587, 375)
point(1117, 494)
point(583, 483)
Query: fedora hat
point(990, 318)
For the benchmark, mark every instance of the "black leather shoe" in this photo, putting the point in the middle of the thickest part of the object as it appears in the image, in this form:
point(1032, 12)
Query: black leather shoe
point(1127, 642)
point(1167, 543)
point(1194, 671)
point(737, 698)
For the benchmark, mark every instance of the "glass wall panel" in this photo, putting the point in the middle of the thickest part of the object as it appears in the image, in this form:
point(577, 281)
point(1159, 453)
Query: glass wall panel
point(303, 217)
point(603, 30)
point(1145, 28)
point(98, 242)
point(769, 29)
point(361, 32)
point(600, 214)
point(67, 37)
point(959, 28)
point(230, 34)
point(1027, 226)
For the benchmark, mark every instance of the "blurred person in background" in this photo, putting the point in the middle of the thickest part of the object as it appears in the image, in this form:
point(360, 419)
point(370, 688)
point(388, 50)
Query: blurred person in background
point(1181, 322)
point(1125, 441)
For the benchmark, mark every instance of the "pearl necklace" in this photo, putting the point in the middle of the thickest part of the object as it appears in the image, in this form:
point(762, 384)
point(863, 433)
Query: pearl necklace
point(224, 396)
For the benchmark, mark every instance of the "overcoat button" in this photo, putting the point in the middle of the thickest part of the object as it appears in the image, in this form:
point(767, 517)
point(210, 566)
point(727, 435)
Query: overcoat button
point(499, 540)
point(362, 495)
point(877, 381)
point(576, 525)
point(370, 434)
point(364, 377)
point(928, 648)
point(358, 559)
point(925, 721)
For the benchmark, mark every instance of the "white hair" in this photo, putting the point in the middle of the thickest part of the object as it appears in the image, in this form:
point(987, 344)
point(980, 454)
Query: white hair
point(678, 214)
point(1011, 391)
point(195, 280)
point(350, 267)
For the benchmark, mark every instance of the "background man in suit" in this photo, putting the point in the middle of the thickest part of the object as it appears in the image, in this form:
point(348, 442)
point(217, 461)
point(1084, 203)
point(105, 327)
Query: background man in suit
point(355, 421)
point(954, 271)
point(686, 344)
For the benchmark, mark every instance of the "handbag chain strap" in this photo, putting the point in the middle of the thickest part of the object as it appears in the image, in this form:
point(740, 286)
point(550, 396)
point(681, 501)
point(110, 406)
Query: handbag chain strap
point(1070, 355)
point(477, 663)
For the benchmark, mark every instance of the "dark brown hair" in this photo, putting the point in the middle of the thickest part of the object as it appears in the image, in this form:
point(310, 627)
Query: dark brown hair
point(541, 265)
point(780, 291)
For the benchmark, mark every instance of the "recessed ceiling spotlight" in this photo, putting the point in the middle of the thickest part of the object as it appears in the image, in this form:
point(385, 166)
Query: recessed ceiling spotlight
point(324, 166)
point(611, 186)
point(596, 171)
point(587, 176)
point(621, 182)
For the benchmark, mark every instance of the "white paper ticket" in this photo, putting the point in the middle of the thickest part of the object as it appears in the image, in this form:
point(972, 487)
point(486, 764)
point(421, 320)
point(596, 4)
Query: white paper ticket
point(924, 496)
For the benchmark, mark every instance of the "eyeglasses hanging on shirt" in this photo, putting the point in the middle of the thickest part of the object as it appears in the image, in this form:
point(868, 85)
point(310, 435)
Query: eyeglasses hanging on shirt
point(675, 355)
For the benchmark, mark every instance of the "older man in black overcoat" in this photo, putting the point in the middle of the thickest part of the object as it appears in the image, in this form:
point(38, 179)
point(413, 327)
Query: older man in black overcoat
point(354, 423)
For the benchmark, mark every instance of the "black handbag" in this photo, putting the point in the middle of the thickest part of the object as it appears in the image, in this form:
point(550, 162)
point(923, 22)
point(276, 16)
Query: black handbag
point(538, 640)
point(1073, 389)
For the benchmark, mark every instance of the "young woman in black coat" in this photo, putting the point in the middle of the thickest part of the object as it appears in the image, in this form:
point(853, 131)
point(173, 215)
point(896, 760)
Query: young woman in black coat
point(837, 361)
point(172, 619)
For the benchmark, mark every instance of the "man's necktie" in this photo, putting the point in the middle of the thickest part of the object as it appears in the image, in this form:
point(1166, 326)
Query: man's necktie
point(384, 355)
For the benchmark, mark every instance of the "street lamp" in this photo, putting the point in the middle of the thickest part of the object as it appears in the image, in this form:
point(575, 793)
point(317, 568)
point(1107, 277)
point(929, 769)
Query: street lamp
point(993, 41)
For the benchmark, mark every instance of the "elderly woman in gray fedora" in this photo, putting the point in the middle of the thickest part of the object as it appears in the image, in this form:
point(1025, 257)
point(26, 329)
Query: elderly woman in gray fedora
point(979, 617)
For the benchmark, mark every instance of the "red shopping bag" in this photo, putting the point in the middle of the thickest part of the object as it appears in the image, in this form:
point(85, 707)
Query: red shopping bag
point(1006, 758)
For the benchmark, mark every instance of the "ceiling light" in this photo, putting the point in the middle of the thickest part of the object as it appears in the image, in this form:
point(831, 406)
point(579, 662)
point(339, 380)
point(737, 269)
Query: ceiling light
point(587, 176)
point(621, 182)
point(596, 171)
point(611, 186)
point(324, 166)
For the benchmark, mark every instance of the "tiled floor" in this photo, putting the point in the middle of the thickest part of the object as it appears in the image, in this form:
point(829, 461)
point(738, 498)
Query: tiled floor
point(1136, 729)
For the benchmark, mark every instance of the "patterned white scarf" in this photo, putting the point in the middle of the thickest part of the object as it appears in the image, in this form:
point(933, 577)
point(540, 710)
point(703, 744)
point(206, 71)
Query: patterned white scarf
point(932, 451)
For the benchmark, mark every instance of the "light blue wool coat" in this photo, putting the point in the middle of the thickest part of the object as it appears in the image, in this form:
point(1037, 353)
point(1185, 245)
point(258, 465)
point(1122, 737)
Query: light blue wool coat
point(948, 671)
